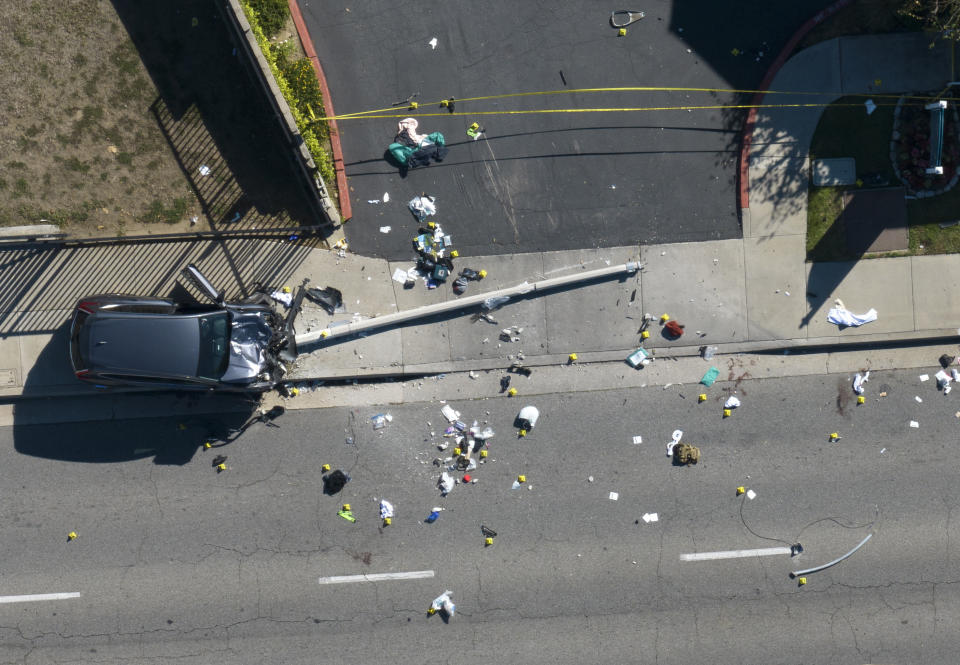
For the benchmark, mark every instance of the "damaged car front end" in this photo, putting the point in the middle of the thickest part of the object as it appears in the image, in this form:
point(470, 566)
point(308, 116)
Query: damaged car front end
point(121, 340)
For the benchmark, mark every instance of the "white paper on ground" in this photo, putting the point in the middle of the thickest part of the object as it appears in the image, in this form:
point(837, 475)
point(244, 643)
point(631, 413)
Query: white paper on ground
point(637, 439)
point(924, 377)
point(751, 495)
point(446, 482)
point(650, 517)
point(449, 413)
point(914, 423)
point(614, 496)
point(858, 382)
point(731, 403)
point(386, 509)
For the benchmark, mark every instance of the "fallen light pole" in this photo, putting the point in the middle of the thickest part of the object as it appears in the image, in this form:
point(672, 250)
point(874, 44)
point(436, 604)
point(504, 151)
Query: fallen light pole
point(355, 327)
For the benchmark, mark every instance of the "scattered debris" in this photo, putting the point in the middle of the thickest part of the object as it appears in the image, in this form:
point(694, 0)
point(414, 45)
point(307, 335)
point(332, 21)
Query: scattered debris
point(527, 418)
point(673, 329)
point(614, 496)
point(858, 382)
point(285, 298)
point(731, 403)
point(686, 454)
point(330, 299)
point(334, 482)
point(677, 434)
point(380, 420)
point(204, 170)
point(637, 440)
point(386, 197)
point(651, 517)
point(434, 514)
point(914, 423)
point(386, 509)
point(841, 316)
point(433, 43)
point(918, 398)
point(451, 414)
point(924, 377)
point(346, 513)
point(751, 495)
point(445, 483)
point(385, 229)
point(443, 604)
point(423, 206)
point(639, 358)
point(710, 377)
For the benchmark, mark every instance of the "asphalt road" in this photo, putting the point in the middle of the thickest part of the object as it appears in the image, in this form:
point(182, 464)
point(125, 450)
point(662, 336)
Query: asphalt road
point(177, 561)
point(557, 181)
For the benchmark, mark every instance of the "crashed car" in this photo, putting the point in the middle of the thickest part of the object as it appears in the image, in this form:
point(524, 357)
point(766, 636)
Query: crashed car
point(159, 343)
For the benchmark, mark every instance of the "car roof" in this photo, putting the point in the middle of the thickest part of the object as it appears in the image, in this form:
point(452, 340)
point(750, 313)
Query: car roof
point(143, 344)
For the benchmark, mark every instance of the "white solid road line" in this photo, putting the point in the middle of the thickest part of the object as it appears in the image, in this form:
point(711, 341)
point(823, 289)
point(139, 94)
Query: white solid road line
point(33, 597)
point(734, 554)
point(376, 577)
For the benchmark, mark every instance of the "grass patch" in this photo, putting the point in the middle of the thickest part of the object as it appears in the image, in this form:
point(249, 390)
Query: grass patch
point(20, 188)
point(925, 217)
point(77, 165)
point(846, 131)
point(158, 212)
point(825, 237)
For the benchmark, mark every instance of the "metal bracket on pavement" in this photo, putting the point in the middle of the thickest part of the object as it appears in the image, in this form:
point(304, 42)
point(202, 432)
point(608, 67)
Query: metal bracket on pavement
point(626, 16)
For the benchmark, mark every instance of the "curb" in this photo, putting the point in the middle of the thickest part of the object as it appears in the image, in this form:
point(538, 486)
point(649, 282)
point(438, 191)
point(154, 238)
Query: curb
point(748, 126)
point(346, 210)
point(796, 346)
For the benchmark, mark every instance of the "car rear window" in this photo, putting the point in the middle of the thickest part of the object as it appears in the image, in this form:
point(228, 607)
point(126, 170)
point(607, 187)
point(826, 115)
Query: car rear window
point(214, 353)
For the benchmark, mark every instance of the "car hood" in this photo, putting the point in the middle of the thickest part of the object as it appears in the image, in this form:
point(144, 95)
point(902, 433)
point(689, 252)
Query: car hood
point(250, 336)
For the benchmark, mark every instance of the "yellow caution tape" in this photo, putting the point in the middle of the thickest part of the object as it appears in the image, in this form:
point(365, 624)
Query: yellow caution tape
point(375, 112)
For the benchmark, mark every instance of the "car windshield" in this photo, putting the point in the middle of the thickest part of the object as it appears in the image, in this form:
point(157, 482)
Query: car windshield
point(214, 345)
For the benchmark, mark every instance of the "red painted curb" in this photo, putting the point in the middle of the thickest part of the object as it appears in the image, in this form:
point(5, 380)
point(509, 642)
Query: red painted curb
point(346, 210)
point(745, 143)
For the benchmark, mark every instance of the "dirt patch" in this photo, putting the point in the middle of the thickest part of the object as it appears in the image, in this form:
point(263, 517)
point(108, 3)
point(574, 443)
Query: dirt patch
point(110, 111)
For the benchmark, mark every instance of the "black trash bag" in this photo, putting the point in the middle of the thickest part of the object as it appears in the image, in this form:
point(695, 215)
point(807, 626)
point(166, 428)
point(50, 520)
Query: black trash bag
point(945, 361)
point(471, 275)
point(460, 285)
point(329, 298)
point(333, 482)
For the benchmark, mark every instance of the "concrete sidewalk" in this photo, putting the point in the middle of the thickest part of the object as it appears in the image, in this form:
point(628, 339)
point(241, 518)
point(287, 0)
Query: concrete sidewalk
point(755, 293)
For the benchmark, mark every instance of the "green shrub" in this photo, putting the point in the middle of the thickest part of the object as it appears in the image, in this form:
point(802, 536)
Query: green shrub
point(271, 14)
point(303, 83)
